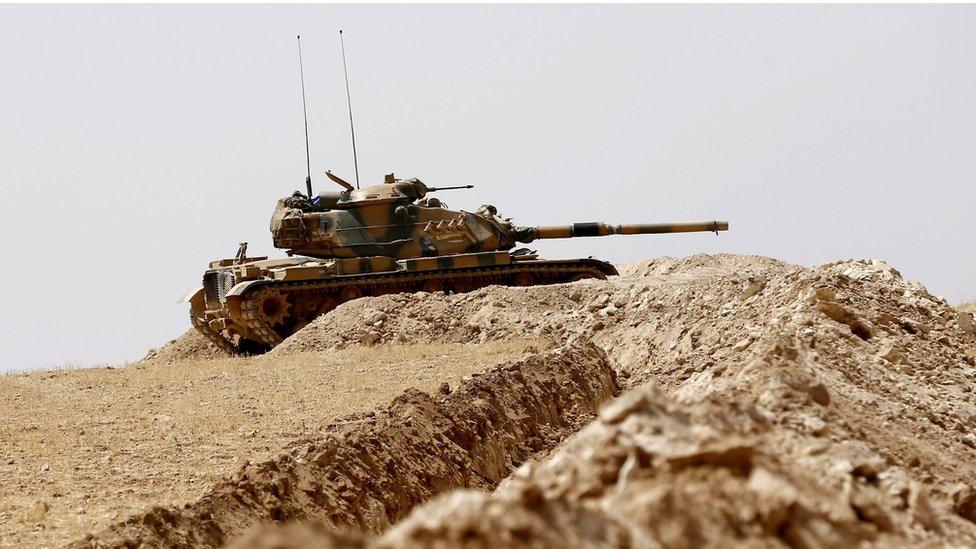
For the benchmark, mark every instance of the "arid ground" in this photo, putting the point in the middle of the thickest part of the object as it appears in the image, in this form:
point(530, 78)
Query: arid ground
point(85, 448)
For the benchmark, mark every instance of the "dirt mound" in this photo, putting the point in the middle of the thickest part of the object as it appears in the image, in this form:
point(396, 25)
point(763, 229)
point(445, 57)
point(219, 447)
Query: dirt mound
point(372, 470)
point(743, 264)
point(812, 406)
point(652, 471)
point(670, 319)
point(189, 346)
point(677, 292)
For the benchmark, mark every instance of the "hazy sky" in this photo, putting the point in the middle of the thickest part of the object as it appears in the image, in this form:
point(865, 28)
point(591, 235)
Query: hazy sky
point(139, 143)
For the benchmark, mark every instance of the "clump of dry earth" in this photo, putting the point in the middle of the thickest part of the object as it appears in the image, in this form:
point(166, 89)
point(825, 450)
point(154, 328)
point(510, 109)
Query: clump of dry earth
point(763, 403)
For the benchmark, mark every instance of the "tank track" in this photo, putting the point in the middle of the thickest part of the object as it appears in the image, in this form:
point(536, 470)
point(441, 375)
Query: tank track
point(216, 338)
point(260, 328)
point(553, 272)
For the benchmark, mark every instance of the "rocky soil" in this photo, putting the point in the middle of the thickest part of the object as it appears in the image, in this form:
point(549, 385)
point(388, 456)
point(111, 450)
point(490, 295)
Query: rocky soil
point(760, 403)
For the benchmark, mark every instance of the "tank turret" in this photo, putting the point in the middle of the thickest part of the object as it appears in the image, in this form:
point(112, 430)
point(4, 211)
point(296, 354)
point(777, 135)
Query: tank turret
point(385, 238)
point(395, 219)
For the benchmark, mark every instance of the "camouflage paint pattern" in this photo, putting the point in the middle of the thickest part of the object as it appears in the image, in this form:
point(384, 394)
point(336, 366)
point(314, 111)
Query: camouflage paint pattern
point(396, 220)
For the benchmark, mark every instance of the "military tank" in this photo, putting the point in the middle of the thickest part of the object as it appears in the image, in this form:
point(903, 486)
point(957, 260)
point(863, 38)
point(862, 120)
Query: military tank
point(381, 239)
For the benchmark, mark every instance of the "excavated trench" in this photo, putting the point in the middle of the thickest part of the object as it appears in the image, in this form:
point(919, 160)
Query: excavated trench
point(370, 472)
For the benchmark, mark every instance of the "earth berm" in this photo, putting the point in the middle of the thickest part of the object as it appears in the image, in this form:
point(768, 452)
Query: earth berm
point(762, 403)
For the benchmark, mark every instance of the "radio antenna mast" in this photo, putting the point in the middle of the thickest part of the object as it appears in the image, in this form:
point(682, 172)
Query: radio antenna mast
point(352, 128)
point(308, 161)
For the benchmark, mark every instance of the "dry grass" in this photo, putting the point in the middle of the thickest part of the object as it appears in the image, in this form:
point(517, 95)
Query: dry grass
point(95, 445)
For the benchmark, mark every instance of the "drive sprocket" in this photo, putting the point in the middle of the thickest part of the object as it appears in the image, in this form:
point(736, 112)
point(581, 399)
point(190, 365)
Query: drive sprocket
point(272, 307)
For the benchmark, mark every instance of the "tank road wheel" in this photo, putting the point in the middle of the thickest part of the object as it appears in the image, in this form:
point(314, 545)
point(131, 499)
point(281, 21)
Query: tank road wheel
point(272, 306)
point(328, 304)
point(433, 285)
point(351, 292)
point(307, 307)
point(524, 279)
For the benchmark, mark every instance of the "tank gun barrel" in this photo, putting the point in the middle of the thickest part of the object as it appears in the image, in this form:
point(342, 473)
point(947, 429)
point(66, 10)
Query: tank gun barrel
point(529, 234)
point(432, 189)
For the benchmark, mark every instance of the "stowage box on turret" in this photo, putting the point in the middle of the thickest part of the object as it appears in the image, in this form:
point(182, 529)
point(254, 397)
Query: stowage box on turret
point(380, 239)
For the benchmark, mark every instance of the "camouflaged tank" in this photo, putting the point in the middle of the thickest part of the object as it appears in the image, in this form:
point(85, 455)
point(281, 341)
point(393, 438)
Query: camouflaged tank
point(381, 239)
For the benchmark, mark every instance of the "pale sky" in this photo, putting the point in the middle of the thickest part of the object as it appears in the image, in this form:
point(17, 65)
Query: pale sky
point(139, 143)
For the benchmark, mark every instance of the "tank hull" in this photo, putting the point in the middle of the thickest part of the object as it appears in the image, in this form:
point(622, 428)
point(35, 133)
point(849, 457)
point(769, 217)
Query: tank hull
point(250, 307)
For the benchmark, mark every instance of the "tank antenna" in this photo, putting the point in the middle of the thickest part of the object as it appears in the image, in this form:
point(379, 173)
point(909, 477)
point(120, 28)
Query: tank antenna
point(352, 128)
point(308, 161)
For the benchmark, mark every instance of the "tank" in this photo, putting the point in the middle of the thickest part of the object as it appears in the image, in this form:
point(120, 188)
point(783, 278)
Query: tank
point(381, 239)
